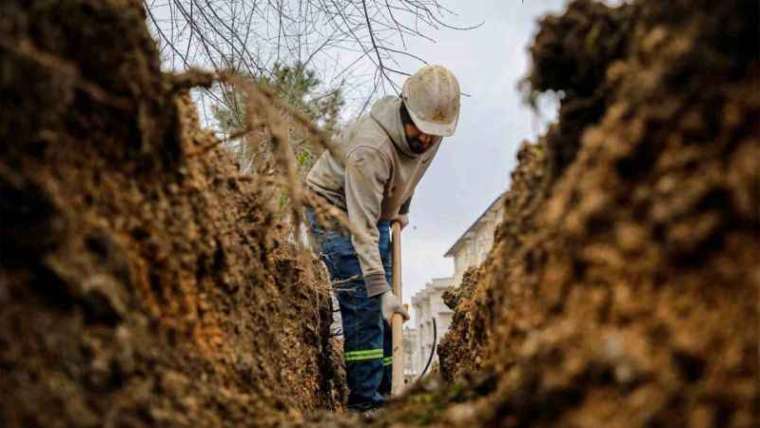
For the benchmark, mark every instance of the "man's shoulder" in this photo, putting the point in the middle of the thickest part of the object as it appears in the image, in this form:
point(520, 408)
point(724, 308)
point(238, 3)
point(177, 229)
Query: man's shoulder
point(367, 134)
point(367, 153)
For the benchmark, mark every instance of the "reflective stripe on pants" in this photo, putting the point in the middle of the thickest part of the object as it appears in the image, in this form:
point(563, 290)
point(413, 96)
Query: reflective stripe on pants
point(367, 337)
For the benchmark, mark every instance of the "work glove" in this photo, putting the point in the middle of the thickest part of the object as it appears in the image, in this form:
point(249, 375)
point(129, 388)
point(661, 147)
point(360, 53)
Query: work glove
point(391, 304)
point(401, 219)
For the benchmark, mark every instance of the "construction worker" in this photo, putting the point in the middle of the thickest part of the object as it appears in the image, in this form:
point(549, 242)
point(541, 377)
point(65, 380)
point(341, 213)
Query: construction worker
point(382, 157)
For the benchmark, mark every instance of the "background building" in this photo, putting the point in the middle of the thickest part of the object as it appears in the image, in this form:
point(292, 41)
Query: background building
point(469, 250)
point(473, 246)
point(429, 307)
point(410, 342)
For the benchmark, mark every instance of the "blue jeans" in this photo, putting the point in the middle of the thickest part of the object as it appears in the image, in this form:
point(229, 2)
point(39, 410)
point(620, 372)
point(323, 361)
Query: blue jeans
point(367, 344)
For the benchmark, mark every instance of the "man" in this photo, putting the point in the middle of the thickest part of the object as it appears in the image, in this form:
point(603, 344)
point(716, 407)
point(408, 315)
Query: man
point(382, 157)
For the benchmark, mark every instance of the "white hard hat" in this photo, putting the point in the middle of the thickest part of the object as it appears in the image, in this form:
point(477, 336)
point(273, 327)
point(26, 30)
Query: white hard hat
point(431, 96)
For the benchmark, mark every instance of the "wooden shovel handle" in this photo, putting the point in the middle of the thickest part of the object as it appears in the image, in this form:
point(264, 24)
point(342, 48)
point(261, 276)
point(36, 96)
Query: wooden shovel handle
point(397, 321)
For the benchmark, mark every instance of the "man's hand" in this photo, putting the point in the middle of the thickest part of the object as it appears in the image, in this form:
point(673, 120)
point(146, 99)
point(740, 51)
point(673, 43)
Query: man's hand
point(391, 304)
point(401, 219)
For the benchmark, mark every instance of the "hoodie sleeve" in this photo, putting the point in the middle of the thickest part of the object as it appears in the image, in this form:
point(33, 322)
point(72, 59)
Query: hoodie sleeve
point(405, 206)
point(367, 172)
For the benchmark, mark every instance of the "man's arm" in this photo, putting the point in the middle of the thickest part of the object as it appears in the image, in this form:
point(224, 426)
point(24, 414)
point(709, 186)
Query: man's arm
point(402, 217)
point(367, 171)
point(404, 210)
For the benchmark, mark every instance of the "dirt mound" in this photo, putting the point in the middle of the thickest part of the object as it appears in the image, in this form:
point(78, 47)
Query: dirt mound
point(143, 281)
point(456, 347)
point(623, 287)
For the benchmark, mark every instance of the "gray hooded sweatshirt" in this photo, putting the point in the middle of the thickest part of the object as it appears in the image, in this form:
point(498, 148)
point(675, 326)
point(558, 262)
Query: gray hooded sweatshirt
point(372, 178)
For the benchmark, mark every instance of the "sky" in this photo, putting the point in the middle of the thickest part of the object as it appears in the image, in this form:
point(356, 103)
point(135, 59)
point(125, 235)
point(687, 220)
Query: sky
point(472, 168)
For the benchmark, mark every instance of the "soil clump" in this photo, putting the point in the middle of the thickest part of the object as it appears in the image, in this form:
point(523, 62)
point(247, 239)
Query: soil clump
point(143, 280)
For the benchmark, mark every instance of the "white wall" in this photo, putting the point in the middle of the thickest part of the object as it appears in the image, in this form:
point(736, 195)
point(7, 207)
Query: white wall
point(428, 306)
point(478, 244)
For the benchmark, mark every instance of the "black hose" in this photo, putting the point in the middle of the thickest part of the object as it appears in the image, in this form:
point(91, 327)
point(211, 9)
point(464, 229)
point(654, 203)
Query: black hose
point(432, 350)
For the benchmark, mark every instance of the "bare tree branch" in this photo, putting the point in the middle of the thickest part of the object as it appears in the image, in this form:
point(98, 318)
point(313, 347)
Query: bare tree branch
point(252, 36)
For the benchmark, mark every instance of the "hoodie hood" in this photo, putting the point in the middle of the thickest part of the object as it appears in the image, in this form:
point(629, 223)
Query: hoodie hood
point(387, 113)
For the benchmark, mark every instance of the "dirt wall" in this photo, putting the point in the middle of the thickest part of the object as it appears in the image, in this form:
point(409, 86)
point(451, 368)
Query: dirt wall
point(623, 287)
point(143, 280)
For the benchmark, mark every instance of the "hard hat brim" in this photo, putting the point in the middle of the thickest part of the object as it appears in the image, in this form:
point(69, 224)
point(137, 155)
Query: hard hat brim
point(434, 128)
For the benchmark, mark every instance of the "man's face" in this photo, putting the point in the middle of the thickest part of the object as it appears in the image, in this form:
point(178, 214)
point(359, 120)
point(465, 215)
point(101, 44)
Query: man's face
point(418, 141)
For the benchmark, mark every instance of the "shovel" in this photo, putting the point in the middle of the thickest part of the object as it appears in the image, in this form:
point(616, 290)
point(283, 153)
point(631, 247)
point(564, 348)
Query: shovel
point(397, 321)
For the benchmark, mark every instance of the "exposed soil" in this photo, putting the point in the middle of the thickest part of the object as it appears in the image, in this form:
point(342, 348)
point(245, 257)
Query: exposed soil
point(624, 286)
point(143, 281)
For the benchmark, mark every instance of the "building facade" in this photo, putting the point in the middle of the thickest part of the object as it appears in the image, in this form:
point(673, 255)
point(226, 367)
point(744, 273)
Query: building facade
point(433, 318)
point(471, 249)
point(410, 342)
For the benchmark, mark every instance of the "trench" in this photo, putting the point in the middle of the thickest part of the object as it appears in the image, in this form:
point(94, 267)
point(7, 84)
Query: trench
point(144, 281)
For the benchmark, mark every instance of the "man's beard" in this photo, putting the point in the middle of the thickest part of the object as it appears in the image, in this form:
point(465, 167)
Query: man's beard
point(416, 146)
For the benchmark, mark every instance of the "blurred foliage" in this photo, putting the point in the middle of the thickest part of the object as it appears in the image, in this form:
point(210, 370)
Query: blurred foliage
point(300, 89)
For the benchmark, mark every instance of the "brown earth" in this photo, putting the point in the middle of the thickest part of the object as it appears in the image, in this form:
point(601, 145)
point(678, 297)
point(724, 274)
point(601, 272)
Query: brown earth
point(624, 286)
point(143, 281)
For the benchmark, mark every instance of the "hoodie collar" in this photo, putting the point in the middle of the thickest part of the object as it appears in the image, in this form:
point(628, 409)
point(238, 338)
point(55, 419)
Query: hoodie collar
point(387, 113)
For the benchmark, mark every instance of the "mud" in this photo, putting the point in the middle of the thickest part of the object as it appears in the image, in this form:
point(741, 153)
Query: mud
point(623, 287)
point(143, 280)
